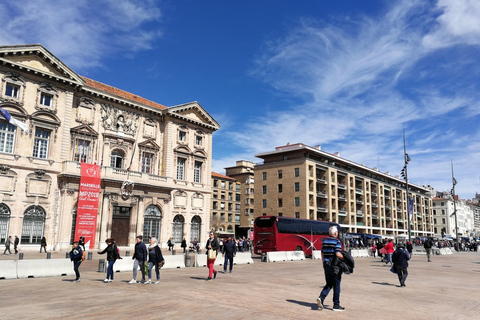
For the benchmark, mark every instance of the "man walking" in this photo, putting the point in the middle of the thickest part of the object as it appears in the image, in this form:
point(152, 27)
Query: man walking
point(15, 244)
point(229, 251)
point(139, 257)
point(43, 244)
point(428, 248)
point(331, 252)
point(76, 256)
point(400, 261)
point(8, 242)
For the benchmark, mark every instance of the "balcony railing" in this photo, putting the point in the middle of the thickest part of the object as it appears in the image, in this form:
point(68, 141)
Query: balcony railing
point(322, 208)
point(322, 194)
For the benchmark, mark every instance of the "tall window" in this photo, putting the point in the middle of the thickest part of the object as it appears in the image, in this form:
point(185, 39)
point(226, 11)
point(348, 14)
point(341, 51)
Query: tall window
point(297, 201)
point(280, 202)
point(182, 136)
point(297, 186)
point(147, 162)
point(7, 137)
point(82, 150)
point(280, 188)
point(46, 99)
point(152, 221)
point(198, 140)
point(180, 169)
point(280, 174)
point(116, 159)
point(178, 228)
point(4, 222)
point(196, 222)
point(297, 172)
point(264, 175)
point(197, 172)
point(264, 203)
point(264, 189)
point(33, 225)
point(40, 146)
point(12, 90)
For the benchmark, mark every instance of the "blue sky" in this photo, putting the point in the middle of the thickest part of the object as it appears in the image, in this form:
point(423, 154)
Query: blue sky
point(347, 75)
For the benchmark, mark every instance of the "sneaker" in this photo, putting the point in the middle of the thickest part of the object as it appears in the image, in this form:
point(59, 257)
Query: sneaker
point(208, 279)
point(157, 282)
point(320, 303)
point(338, 308)
point(106, 280)
point(230, 271)
point(111, 280)
point(132, 281)
point(215, 275)
point(77, 280)
point(148, 282)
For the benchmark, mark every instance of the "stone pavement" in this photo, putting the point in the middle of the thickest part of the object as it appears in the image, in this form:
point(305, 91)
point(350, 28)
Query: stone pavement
point(446, 288)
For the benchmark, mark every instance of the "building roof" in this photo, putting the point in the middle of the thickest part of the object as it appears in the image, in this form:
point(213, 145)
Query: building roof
point(121, 93)
point(218, 175)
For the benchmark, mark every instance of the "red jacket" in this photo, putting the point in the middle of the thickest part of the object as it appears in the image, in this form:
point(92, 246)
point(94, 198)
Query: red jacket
point(389, 247)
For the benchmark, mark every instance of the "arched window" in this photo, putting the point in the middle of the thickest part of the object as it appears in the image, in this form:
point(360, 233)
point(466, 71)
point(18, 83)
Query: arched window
point(230, 229)
point(4, 221)
point(116, 159)
point(151, 223)
point(33, 225)
point(195, 228)
point(177, 231)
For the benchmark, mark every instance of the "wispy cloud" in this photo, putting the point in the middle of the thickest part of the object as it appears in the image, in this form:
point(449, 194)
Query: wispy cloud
point(81, 33)
point(360, 83)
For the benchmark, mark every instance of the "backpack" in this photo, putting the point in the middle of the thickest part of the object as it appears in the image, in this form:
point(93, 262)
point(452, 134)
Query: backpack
point(83, 255)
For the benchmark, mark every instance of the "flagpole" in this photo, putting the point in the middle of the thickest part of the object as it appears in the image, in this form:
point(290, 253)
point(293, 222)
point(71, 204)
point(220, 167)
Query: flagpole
point(407, 159)
point(454, 182)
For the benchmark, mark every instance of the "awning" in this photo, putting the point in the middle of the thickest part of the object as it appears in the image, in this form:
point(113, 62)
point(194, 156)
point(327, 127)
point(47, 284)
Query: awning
point(373, 236)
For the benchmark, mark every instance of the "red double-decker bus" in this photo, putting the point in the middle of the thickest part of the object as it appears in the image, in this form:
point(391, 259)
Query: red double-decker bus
point(289, 234)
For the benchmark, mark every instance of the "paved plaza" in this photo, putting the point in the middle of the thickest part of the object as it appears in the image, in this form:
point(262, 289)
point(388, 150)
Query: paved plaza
point(446, 288)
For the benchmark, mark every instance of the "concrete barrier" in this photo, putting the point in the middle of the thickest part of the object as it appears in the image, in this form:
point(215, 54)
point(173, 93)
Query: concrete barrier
point(317, 254)
point(359, 253)
point(295, 255)
point(121, 265)
point(274, 256)
point(173, 262)
point(44, 268)
point(8, 269)
point(201, 260)
point(243, 258)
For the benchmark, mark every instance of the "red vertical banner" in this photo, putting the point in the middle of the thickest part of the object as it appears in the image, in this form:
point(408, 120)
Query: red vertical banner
point(87, 207)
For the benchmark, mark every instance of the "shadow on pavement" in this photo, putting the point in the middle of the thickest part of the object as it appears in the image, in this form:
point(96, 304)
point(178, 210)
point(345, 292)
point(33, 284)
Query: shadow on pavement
point(383, 283)
point(313, 306)
point(198, 278)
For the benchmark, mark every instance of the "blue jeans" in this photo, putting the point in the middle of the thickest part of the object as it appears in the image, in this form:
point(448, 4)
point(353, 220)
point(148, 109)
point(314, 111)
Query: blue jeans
point(228, 257)
point(332, 281)
point(151, 265)
point(77, 264)
point(110, 269)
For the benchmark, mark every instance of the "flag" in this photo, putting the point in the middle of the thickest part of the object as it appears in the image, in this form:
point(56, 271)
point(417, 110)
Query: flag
point(12, 120)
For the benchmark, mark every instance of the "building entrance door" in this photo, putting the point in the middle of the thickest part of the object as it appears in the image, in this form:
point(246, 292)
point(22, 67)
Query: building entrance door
point(121, 225)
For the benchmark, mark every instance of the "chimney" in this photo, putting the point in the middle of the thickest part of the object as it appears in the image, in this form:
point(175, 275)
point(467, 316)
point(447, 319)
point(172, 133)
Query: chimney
point(337, 154)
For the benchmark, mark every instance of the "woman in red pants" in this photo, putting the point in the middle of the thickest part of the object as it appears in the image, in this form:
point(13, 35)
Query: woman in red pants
point(212, 245)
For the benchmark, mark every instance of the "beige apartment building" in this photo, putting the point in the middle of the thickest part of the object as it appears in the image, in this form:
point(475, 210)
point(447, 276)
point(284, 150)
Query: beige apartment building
point(225, 209)
point(243, 171)
point(305, 182)
point(155, 160)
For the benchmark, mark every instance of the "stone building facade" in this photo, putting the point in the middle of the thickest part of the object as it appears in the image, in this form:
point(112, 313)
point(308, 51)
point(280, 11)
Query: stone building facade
point(305, 182)
point(155, 160)
point(225, 209)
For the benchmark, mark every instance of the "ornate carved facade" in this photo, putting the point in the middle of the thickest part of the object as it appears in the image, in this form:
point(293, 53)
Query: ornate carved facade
point(155, 160)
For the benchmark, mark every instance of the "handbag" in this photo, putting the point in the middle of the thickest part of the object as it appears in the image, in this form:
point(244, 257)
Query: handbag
point(393, 269)
point(161, 263)
point(212, 254)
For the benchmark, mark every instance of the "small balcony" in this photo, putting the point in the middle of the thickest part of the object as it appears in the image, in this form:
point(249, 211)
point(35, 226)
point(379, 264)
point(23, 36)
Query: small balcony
point(360, 213)
point(342, 186)
point(322, 208)
point(322, 194)
point(322, 179)
point(359, 191)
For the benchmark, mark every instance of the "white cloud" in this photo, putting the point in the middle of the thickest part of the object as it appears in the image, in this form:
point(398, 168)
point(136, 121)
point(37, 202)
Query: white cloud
point(81, 33)
point(365, 80)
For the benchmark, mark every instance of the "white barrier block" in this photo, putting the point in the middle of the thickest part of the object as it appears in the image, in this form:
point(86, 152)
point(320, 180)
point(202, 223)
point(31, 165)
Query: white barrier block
point(174, 261)
point(359, 253)
point(8, 269)
point(295, 255)
point(317, 254)
point(44, 268)
point(274, 256)
point(243, 258)
point(121, 265)
point(201, 260)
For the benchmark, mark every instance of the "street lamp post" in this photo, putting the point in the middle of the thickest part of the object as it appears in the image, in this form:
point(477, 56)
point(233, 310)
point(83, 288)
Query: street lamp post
point(404, 174)
point(454, 183)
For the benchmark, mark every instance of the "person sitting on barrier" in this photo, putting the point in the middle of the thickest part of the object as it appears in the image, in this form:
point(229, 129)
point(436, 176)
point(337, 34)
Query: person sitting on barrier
point(76, 255)
point(229, 251)
point(112, 255)
point(170, 244)
point(155, 257)
point(139, 257)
